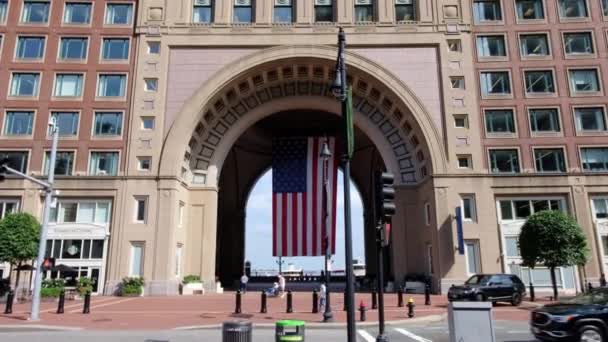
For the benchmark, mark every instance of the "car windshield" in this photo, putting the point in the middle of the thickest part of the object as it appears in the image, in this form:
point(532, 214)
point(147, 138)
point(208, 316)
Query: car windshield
point(594, 297)
point(478, 280)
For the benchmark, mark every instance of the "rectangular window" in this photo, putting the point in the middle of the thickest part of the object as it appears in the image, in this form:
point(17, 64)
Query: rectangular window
point(491, 46)
point(584, 80)
point(111, 85)
point(454, 45)
point(572, 8)
point(119, 14)
point(182, 207)
point(147, 123)
point(539, 81)
point(605, 7)
point(495, 83)
point(30, 47)
point(151, 84)
point(427, 214)
point(521, 209)
point(78, 13)
point(594, 158)
point(486, 10)
point(25, 84)
point(549, 160)
point(3, 10)
point(18, 123)
point(473, 257)
point(324, 11)
point(530, 9)
point(457, 82)
point(203, 11)
point(178, 260)
point(73, 48)
point(35, 12)
point(153, 48)
point(600, 209)
point(499, 121)
point(364, 11)
point(67, 123)
point(590, 119)
point(71, 249)
point(82, 212)
point(429, 257)
point(115, 49)
point(108, 124)
point(464, 161)
point(137, 259)
point(243, 11)
point(64, 163)
point(461, 121)
point(504, 161)
point(512, 246)
point(534, 45)
point(405, 10)
point(468, 208)
point(578, 43)
point(17, 160)
point(8, 207)
point(103, 164)
point(141, 209)
point(544, 120)
point(144, 163)
point(283, 11)
point(68, 85)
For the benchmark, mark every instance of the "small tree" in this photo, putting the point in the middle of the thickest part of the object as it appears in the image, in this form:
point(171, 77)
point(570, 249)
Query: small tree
point(553, 239)
point(19, 238)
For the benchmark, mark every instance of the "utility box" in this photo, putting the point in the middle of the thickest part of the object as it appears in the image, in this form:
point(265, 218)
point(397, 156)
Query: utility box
point(463, 316)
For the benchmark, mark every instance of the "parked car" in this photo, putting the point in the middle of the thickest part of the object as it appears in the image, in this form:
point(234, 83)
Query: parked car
point(490, 287)
point(583, 318)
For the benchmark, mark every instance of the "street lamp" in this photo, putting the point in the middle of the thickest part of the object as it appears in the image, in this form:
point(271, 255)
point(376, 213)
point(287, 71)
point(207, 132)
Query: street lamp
point(339, 90)
point(325, 156)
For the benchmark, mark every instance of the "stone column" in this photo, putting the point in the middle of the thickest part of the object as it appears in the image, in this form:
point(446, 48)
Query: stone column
point(345, 10)
point(304, 11)
point(581, 209)
point(263, 11)
point(386, 11)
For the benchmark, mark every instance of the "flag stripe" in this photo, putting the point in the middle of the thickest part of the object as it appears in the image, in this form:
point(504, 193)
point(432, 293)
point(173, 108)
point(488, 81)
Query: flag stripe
point(275, 212)
point(315, 201)
point(284, 225)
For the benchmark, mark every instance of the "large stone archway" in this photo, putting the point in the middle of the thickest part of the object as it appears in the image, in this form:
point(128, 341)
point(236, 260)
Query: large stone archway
point(198, 144)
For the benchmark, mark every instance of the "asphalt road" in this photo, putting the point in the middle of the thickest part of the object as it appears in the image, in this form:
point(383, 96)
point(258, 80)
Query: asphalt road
point(506, 331)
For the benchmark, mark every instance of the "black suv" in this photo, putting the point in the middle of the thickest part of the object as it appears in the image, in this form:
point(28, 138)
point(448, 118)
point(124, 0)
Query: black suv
point(583, 318)
point(490, 287)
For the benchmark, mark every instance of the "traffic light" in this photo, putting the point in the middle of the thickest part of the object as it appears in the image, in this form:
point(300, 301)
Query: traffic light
point(3, 163)
point(385, 196)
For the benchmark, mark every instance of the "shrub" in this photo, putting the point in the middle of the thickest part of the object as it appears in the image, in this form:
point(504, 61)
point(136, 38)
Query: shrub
point(53, 283)
point(50, 292)
point(131, 290)
point(84, 285)
point(192, 278)
point(133, 281)
point(131, 286)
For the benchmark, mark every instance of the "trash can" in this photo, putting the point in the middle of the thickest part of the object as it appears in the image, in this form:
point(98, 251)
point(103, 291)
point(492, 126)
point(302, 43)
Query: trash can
point(289, 331)
point(236, 331)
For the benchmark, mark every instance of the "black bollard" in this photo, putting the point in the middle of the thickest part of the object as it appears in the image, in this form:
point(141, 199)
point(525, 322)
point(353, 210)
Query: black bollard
point(374, 300)
point(427, 294)
point(10, 297)
point(532, 295)
point(344, 306)
point(410, 308)
point(263, 307)
point(237, 309)
point(289, 302)
point(315, 301)
point(400, 297)
point(362, 310)
point(61, 302)
point(87, 303)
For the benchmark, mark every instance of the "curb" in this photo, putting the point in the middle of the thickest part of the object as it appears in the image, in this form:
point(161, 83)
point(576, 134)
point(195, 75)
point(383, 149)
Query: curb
point(316, 325)
point(37, 327)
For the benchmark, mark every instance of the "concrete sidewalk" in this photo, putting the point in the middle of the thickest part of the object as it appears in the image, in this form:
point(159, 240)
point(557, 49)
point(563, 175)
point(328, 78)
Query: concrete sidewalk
point(189, 312)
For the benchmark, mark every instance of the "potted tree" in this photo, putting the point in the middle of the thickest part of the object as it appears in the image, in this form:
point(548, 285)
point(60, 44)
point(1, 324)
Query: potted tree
point(132, 287)
point(83, 286)
point(192, 284)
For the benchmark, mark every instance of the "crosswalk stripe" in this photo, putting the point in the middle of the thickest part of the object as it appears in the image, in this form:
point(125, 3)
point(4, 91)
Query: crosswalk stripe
point(411, 335)
point(366, 336)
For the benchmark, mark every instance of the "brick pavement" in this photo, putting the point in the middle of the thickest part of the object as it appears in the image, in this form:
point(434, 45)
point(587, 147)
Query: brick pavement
point(159, 313)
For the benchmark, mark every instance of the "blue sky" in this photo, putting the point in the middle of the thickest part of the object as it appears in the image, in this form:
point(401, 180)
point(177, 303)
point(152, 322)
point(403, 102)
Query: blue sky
point(258, 229)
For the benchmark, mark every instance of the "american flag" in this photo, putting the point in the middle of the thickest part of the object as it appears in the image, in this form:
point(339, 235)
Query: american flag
point(297, 196)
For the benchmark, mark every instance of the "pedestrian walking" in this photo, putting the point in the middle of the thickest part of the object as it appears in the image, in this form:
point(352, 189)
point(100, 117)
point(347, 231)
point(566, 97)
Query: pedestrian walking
point(602, 280)
point(282, 285)
point(322, 297)
point(244, 281)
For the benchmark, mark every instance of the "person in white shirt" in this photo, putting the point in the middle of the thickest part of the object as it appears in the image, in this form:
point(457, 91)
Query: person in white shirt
point(322, 297)
point(244, 280)
point(281, 285)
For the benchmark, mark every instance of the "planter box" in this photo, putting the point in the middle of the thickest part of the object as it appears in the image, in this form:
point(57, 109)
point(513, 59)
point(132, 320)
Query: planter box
point(193, 289)
point(414, 287)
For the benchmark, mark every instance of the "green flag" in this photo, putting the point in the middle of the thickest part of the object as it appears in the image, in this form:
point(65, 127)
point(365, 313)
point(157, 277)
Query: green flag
point(349, 131)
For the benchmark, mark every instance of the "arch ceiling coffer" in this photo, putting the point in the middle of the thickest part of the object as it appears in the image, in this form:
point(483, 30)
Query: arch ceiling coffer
point(297, 78)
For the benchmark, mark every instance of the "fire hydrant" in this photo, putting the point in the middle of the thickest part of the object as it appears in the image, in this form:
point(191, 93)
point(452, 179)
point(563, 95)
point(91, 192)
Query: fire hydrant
point(362, 310)
point(410, 307)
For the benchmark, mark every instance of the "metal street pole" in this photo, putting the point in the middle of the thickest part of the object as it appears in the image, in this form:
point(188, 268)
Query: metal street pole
point(45, 222)
point(325, 155)
point(380, 237)
point(348, 239)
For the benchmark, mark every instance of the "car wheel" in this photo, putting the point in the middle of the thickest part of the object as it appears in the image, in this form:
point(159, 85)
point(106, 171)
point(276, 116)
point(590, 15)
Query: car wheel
point(590, 333)
point(516, 299)
point(479, 297)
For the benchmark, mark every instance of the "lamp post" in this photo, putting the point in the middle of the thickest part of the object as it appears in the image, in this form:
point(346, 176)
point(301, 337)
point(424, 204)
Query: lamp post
point(280, 263)
point(339, 90)
point(325, 156)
